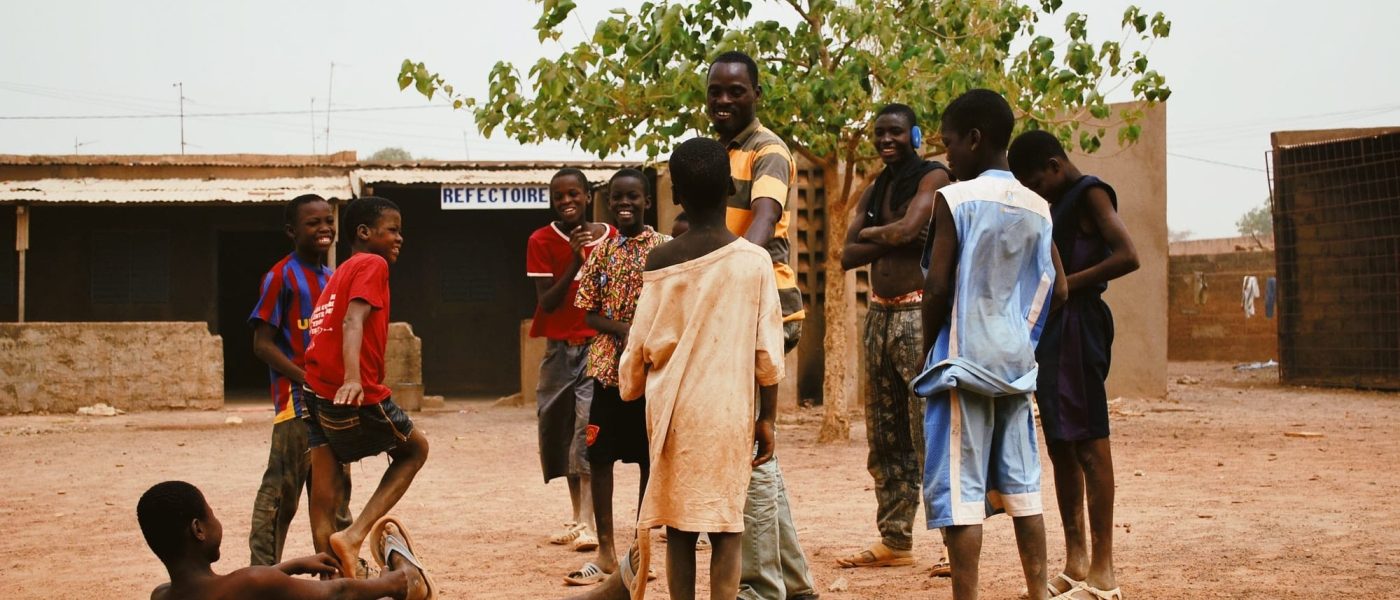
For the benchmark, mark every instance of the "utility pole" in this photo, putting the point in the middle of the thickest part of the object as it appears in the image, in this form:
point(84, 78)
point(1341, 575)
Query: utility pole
point(312, 116)
point(330, 88)
point(77, 144)
point(181, 86)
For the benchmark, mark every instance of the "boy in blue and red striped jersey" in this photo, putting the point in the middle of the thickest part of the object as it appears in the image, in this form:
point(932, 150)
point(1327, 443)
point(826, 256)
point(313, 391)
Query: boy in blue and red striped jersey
point(281, 332)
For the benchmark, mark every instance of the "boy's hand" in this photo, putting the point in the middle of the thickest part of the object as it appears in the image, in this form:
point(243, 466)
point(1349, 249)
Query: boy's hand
point(580, 237)
point(351, 392)
point(764, 435)
point(321, 564)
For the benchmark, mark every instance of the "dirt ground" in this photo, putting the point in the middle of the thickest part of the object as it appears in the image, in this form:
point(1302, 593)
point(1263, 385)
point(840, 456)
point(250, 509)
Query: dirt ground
point(1214, 500)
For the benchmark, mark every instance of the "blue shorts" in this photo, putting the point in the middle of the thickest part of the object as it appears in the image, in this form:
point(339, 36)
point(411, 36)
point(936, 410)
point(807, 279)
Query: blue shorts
point(981, 458)
point(354, 432)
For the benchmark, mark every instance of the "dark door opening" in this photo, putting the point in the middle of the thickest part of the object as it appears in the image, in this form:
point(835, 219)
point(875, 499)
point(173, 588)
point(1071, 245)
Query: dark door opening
point(244, 257)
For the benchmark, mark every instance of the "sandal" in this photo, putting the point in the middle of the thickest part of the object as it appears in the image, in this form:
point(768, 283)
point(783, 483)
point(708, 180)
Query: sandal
point(942, 568)
point(586, 541)
point(1093, 592)
point(878, 555)
point(385, 544)
point(588, 574)
point(1070, 583)
point(570, 533)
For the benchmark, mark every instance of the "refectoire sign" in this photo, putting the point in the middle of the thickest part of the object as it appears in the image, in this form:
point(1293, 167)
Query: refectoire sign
point(474, 197)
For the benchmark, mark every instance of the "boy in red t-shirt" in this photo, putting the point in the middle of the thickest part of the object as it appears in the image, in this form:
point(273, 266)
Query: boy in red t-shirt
point(350, 413)
point(553, 257)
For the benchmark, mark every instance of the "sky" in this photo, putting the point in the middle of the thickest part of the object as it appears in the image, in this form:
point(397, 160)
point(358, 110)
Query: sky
point(1238, 71)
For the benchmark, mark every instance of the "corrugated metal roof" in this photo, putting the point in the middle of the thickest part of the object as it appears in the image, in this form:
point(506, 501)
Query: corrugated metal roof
point(338, 159)
point(470, 176)
point(137, 191)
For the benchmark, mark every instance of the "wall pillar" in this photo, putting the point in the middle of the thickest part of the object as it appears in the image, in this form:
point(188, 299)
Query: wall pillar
point(21, 248)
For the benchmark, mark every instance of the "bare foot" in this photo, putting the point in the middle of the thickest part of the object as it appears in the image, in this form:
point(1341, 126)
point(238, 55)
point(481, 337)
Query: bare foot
point(345, 552)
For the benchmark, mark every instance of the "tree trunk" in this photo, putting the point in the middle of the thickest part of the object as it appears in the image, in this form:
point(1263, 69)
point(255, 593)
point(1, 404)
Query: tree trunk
point(836, 396)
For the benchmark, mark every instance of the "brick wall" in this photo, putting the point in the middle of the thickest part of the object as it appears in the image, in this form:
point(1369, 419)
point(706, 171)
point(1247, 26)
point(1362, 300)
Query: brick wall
point(1212, 325)
point(58, 367)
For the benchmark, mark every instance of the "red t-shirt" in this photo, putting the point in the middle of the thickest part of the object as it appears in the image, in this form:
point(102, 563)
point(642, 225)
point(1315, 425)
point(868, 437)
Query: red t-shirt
point(364, 277)
point(548, 255)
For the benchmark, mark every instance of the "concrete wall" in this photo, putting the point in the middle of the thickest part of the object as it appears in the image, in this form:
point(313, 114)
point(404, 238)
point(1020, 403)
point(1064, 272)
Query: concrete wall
point(1210, 324)
point(1139, 301)
point(403, 366)
point(58, 367)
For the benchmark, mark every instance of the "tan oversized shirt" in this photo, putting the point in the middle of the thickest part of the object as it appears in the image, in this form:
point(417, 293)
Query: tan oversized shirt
point(705, 334)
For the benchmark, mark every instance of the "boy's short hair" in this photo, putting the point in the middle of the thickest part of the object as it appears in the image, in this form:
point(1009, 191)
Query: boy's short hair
point(985, 111)
point(1032, 150)
point(895, 108)
point(365, 211)
point(635, 174)
point(700, 172)
point(735, 56)
point(289, 214)
point(575, 173)
point(165, 512)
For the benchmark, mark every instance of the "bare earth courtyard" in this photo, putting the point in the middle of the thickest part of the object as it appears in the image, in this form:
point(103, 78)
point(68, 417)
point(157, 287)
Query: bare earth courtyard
point(1214, 499)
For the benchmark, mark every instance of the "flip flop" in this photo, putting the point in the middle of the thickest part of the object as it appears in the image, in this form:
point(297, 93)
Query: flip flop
point(588, 574)
point(400, 543)
point(878, 555)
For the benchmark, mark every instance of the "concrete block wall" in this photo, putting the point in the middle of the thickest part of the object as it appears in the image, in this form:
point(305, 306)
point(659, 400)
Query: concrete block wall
point(59, 367)
point(1212, 325)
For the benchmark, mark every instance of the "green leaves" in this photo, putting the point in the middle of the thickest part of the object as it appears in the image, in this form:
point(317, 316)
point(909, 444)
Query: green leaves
point(638, 83)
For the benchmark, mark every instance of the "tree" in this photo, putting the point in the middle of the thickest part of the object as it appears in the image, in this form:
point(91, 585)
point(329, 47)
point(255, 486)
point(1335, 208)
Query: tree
point(638, 84)
point(391, 154)
point(1257, 221)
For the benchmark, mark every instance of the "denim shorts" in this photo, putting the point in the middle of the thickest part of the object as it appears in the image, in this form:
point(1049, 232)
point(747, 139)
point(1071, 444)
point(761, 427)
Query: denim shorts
point(354, 432)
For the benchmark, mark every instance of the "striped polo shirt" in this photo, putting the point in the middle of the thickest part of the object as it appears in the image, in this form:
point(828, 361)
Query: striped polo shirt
point(288, 296)
point(762, 167)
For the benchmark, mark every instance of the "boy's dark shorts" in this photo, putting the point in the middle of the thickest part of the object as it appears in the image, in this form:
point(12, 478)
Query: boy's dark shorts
point(354, 432)
point(617, 430)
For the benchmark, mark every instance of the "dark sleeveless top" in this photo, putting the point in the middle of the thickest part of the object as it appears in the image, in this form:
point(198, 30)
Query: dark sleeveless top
point(1079, 250)
point(905, 177)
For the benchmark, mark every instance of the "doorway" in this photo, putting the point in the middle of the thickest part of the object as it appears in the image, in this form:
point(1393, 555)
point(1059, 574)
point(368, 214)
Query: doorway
point(244, 258)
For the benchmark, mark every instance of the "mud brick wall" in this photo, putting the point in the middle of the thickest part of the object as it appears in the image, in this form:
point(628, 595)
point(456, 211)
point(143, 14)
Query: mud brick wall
point(1212, 326)
point(59, 367)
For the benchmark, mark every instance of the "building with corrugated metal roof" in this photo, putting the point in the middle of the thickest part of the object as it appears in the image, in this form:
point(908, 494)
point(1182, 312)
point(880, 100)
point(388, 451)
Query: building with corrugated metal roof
point(188, 238)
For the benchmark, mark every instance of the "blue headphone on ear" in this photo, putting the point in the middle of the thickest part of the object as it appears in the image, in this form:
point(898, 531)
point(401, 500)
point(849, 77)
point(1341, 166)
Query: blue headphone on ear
point(916, 137)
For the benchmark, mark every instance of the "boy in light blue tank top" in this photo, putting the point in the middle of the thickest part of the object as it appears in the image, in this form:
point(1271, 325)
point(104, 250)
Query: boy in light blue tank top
point(992, 275)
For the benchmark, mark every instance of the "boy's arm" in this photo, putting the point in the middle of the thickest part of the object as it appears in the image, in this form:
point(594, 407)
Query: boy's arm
point(352, 335)
point(265, 348)
point(764, 428)
point(938, 286)
point(1061, 292)
point(316, 564)
point(606, 325)
point(857, 253)
point(1123, 257)
point(772, 176)
point(272, 584)
point(916, 217)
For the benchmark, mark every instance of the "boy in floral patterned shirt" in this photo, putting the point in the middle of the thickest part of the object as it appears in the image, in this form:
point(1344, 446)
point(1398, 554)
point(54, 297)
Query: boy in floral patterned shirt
point(609, 285)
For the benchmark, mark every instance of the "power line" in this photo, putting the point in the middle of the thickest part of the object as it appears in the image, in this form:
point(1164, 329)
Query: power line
point(1215, 162)
point(212, 114)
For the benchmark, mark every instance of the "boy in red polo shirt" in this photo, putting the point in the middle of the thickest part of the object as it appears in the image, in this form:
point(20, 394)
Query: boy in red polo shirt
point(351, 414)
point(553, 257)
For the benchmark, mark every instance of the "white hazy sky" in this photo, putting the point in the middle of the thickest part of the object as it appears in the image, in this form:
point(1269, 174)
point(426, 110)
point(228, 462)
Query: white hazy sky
point(1238, 70)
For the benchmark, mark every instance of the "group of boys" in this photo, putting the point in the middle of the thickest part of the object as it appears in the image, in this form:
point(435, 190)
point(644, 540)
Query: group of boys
point(972, 313)
point(323, 335)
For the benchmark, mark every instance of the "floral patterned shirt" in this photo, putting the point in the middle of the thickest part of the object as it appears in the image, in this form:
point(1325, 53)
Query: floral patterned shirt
point(609, 285)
